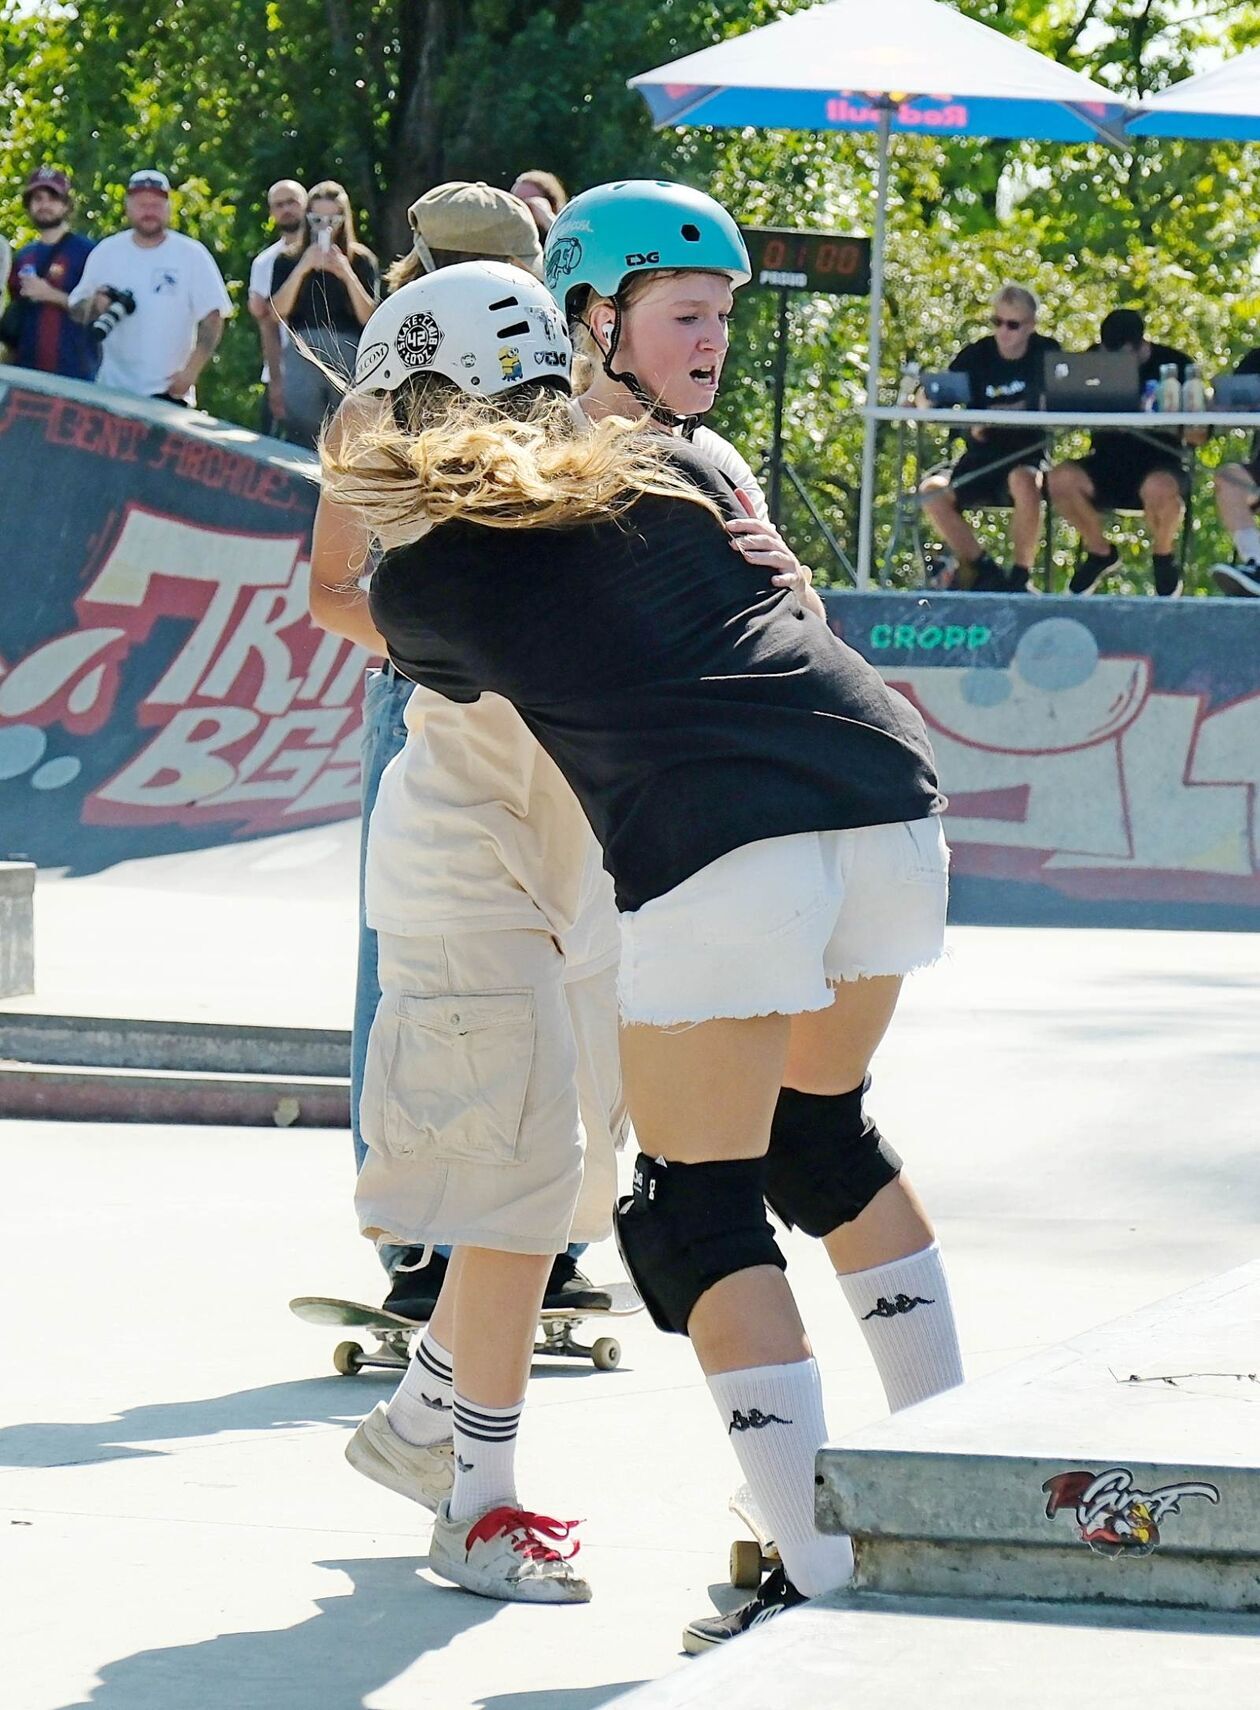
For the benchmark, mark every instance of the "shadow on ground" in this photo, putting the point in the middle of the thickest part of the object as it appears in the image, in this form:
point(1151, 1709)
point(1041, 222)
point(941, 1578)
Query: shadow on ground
point(275, 1407)
point(353, 1647)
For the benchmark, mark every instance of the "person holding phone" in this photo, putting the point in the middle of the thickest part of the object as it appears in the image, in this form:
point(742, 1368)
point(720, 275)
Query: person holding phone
point(324, 295)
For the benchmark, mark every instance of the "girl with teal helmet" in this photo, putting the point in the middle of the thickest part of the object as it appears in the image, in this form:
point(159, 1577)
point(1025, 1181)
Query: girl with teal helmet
point(615, 235)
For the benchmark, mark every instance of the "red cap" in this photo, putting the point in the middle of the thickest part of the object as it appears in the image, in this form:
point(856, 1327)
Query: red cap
point(47, 178)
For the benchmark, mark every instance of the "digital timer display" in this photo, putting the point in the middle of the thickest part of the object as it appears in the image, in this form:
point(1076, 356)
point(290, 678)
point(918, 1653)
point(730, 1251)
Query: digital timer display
point(809, 261)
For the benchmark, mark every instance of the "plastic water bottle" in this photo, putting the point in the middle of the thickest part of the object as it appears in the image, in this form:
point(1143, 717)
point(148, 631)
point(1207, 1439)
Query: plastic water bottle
point(909, 384)
point(1193, 391)
point(1150, 396)
point(1169, 388)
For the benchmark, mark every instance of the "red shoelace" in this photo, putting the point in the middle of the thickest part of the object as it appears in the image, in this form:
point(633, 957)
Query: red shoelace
point(535, 1530)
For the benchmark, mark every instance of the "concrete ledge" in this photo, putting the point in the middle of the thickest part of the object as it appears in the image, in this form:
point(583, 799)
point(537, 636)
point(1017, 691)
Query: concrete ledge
point(1123, 1466)
point(68, 1094)
point(17, 928)
point(188, 1046)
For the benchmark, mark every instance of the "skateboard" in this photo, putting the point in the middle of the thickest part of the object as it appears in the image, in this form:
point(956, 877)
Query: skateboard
point(755, 1556)
point(393, 1333)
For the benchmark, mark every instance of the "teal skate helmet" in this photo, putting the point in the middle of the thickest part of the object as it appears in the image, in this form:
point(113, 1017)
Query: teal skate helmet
point(607, 235)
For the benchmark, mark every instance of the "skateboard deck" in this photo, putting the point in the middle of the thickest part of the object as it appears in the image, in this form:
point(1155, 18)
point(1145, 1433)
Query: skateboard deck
point(393, 1333)
point(755, 1556)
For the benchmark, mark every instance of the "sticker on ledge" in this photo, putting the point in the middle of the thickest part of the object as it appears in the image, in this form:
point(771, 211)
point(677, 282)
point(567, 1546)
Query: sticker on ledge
point(1112, 1516)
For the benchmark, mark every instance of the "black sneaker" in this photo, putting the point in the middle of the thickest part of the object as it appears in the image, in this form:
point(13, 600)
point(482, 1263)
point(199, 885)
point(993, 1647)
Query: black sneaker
point(1091, 567)
point(567, 1287)
point(777, 1594)
point(1019, 580)
point(1167, 575)
point(989, 577)
point(1240, 580)
point(414, 1292)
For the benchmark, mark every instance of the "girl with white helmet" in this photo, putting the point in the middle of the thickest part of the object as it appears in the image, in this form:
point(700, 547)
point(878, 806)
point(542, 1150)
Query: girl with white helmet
point(767, 808)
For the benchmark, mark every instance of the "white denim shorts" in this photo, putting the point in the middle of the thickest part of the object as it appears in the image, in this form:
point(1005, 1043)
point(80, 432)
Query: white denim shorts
point(491, 1104)
point(772, 926)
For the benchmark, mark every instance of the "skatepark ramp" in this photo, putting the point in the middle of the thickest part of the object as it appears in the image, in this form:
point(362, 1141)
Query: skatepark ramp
point(1101, 756)
point(161, 687)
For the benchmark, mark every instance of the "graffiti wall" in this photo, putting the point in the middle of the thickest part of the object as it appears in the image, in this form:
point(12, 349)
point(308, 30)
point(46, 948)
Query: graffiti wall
point(161, 687)
point(1101, 756)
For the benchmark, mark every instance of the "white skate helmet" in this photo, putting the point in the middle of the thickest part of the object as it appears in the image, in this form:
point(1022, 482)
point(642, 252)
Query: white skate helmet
point(485, 325)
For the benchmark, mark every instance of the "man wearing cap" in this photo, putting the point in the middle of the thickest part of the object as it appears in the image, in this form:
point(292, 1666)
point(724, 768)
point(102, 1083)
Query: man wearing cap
point(451, 223)
point(37, 327)
point(1127, 471)
point(160, 346)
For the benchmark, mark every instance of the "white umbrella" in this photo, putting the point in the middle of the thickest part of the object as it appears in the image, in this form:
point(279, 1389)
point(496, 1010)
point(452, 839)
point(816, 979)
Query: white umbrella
point(882, 65)
point(1224, 103)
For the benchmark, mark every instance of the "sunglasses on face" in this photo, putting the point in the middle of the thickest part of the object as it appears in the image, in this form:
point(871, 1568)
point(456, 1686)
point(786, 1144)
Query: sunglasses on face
point(1005, 321)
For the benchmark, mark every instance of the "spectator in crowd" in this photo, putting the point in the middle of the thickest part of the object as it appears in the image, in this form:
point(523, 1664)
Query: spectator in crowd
point(166, 295)
point(1237, 500)
point(37, 326)
point(543, 194)
point(460, 221)
point(1000, 466)
point(286, 203)
point(324, 293)
point(1127, 471)
point(6, 258)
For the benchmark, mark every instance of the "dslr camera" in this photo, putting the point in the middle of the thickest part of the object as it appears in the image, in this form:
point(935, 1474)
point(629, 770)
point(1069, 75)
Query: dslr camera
point(121, 304)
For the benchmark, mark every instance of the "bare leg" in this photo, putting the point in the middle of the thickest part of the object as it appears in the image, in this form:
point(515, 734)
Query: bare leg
point(1164, 508)
point(703, 1094)
point(1236, 495)
point(941, 505)
point(497, 1302)
point(830, 1052)
point(1025, 490)
point(1072, 493)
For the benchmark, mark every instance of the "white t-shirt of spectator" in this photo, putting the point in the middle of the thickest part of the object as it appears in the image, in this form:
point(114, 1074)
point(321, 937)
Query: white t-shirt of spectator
point(260, 286)
point(176, 284)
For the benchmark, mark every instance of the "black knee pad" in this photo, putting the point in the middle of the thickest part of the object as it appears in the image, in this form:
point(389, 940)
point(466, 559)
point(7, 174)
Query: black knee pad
point(827, 1160)
point(686, 1226)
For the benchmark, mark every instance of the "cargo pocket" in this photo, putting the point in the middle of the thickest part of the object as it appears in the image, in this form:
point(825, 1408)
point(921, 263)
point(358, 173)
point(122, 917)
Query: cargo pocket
point(456, 1074)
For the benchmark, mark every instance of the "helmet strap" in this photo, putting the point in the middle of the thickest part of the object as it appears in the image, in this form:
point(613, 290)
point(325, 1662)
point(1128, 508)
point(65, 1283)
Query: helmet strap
point(670, 419)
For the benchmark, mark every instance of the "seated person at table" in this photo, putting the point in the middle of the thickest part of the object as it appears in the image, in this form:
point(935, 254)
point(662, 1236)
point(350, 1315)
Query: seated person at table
point(1127, 471)
point(1237, 499)
point(1001, 466)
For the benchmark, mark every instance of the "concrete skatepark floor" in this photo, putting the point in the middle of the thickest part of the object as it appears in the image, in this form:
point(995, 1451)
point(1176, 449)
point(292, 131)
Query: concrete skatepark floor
point(1077, 1108)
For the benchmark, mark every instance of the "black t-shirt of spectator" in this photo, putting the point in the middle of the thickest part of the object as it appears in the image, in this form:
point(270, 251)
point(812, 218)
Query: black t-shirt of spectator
point(692, 706)
point(1136, 450)
point(323, 303)
point(999, 384)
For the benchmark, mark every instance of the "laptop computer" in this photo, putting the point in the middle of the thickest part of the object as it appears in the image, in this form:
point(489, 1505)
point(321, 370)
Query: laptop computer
point(1237, 392)
point(944, 389)
point(1092, 380)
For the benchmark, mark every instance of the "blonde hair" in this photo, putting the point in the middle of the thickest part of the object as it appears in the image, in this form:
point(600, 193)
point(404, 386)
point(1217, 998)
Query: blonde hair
point(528, 463)
point(588, 353)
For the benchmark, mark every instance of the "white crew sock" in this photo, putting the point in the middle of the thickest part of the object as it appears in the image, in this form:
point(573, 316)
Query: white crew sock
point(774, 1419)
point(905, 1313)
point(485, 1457)
point(1247, 540)
point(419, 1410)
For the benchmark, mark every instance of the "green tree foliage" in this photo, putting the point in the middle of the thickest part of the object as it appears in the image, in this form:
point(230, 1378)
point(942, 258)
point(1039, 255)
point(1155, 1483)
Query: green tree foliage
point(392, 96)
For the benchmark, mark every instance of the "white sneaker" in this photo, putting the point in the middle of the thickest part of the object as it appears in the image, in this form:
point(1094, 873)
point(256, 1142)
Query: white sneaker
point(508, 1554)
point(423, 1474)
point(1236, 579)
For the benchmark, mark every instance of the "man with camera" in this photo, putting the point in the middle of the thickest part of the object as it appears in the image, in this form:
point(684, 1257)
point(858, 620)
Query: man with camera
point(154, 299)
point(36, 327)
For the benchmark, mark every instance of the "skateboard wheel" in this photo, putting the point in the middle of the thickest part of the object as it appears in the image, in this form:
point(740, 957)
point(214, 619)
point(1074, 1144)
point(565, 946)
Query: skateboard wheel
point(347, 1358)
point(606, 1354)
point(746, 1561)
